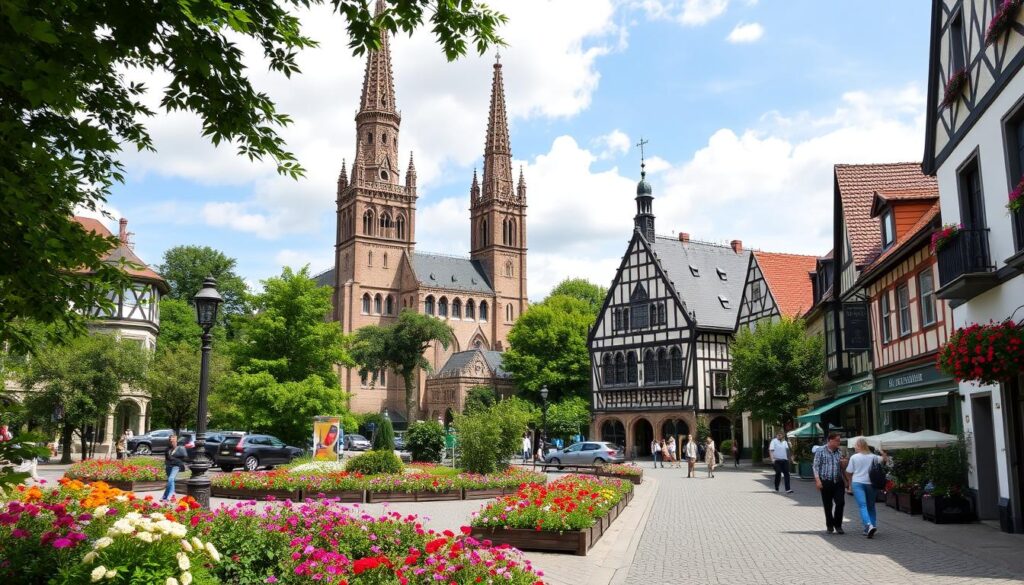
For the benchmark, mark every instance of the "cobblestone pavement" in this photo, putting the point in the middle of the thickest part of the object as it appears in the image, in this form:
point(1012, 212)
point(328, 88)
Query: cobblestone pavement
point(736, 529)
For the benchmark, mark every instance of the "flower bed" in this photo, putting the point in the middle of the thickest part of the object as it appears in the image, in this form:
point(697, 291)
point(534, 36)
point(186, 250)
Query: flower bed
point(567, 515)
point(631, 472)
point(476, 486)
point(256, 485)
point(339, 485)
point(138, 473)
point(412, 487)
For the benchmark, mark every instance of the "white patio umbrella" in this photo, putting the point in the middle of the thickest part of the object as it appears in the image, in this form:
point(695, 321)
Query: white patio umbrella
point(881, 441)
point(920, 440)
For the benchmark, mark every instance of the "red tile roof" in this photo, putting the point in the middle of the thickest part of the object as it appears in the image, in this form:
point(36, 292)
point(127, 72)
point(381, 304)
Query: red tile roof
point(122, 250)
point(857, 185)
point(881, 198)
point(900, 244)
point(788, 280)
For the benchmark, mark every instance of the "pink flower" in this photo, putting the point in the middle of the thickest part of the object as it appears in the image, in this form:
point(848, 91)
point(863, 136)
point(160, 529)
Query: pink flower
point(271, 579)
point(63, 542)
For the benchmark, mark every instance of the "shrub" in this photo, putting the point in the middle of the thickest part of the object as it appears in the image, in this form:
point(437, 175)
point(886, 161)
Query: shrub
point(375, 462)
point(946, 469)
point(726, 448)
point(384, 439)
point(425, 439)
point(908, 469)
point(489, 438)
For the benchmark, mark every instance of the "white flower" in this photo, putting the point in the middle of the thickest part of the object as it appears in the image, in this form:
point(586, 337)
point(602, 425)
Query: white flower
point(157, 516)
point(197, 543)
point(100, 511)
point(98, 573)
point(186, 578)
point(185, 545)
point(179, 530)
point(133, 516)
point(144, 536)
point(110, 574)
point(104, 542)
point(171, 581)
point(183, 562)
point(122, 526)
point(213, 552)
point(121, 498)
point(89, 557)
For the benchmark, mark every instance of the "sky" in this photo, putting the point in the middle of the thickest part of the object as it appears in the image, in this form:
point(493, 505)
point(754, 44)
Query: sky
point(746, 106)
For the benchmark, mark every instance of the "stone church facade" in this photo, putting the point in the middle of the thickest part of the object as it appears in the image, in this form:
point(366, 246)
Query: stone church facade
point(378, 272)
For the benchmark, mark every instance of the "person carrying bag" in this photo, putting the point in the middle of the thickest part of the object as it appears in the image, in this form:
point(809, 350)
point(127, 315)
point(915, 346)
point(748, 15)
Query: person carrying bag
point(174, 462)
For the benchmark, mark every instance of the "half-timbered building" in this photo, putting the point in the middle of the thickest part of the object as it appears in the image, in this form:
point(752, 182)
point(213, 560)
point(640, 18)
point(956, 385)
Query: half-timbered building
point(974, 146)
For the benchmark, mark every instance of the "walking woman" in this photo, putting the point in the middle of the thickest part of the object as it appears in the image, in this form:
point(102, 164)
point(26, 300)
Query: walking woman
point(858, 481)
point(174, 461)
point(709, 456)
point(672, 451)
point(690, 451)
point(735, 453)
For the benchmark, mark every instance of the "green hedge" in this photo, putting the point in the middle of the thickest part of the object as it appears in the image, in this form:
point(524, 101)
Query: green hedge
point(375, 462)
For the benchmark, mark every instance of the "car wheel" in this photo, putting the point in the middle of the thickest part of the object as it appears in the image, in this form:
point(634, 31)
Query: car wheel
point(251, 463)
point(269, 467)
point(143, 449)
point(599, 461)
point(557, 461)
point(227, 468)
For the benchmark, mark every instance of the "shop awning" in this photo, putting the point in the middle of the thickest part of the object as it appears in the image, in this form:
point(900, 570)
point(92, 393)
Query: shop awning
point(805, 431)
point(925, 399)
point(815, 415)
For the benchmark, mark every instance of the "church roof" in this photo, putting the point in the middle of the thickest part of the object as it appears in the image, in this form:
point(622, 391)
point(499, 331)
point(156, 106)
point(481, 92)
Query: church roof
point(708, 277)
point(461, 359)
point(450, 273)
point(325, 278)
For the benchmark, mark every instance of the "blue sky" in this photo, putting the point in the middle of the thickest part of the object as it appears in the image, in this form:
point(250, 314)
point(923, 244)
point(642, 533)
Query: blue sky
point(746, 104)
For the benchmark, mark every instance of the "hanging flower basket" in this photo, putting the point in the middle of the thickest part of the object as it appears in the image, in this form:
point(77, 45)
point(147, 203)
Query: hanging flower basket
point(1002, 20)
point(1016, 202)
point(985, 354)
point(941, 238)
point(954, 87)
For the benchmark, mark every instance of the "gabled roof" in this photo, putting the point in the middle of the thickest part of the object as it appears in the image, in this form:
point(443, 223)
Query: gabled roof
point(450, 273)
point(694, 268)
point(788, 279)
point(856, 186)
point(903, 244)
point(122, 251)
point(459, 360)
point(886, 198)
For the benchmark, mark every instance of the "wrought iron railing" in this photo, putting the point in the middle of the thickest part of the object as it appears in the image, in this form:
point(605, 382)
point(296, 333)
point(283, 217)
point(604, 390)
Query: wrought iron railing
point(967, 252)
point(1017, 217)
point(640, 398)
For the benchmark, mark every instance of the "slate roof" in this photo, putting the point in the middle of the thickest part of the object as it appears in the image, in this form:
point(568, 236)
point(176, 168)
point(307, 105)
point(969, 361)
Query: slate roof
point(700, 292)
point(122, 251)
point(325, 278)
point(857, 185)
point(900, 245)
point(450, 273)
point(459, 359)
point(787, 277)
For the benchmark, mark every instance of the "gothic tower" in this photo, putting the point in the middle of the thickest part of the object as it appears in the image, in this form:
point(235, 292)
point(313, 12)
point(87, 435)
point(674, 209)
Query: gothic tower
point(498, 218)
point(376, 213)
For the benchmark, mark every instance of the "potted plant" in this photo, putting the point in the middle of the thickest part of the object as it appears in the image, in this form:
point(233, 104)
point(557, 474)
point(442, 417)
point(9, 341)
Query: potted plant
point(804, 458)
point(942, 237)
point(908, 478)
point(985, 354)
point(945, 500)
point(1016, 198)
point(1002, 20)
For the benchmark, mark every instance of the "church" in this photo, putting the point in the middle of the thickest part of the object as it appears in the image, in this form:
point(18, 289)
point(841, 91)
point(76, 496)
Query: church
point(378, 272)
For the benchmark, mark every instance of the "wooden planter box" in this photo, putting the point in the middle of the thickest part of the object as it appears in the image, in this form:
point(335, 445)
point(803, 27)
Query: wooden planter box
point(891, 500)
point(909, 504)
point(258, 495)
point(392, 497)
point(134, 486)
point(486, 493)
point(577, 542)
point(636, 479)
point(942, 510)
point(343, 496)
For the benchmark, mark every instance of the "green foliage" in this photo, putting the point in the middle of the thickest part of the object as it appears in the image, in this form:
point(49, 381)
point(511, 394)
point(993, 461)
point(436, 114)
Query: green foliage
point(22, 447)
point(703, 428)
point(425, 440)
point(479, 398)
point(947, 469)
point(384, 437)
point(489, 438)
point(83, 378)
point(185, 267)
point(400, 347)
point(582, 289)
point(173, 384)
point(548, 347)
point(255, 552)
point(774, 368)
point(375, 462)
point(909, 469)
point(178, 324)
point(568, 417)
point(69, 111)
point(726, 448)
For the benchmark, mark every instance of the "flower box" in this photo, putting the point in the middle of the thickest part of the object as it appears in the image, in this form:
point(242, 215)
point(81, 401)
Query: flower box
point(342, 496)
point(1002, 20)
point(984, 353)
point(486, 493)
point(414, 496)
point(892, 500)
point(909, 503)
point(237, 493)
point(945, 510)
point(132, 486)
point(635, 479)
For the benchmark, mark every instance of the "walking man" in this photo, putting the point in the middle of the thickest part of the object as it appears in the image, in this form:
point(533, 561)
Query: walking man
point(526, 447)
point(828, 478)
point(780, 452)
point(656, 452)
point(691, 455)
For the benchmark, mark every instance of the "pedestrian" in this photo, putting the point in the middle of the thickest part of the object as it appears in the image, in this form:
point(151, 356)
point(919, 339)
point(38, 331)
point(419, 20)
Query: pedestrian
point(828, 478)
point(735, 453)
point(781, 455)
point(174, 461)
point(672, 452)
point(122, 448)
point(128, 434)
point(858, 481)
point(656, 453)
point(710, 455)
point(691, 455)
point(527, 447)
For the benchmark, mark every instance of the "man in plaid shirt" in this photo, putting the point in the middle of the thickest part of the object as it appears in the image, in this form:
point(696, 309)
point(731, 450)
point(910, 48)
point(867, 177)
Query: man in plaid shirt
point(828, 478)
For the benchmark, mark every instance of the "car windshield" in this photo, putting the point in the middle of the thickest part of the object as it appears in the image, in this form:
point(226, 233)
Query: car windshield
point(358, 437)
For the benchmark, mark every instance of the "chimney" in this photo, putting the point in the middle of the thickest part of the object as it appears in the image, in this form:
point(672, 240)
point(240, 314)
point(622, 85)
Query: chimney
point(684, 237)
point(737, 246)
point(122, 233)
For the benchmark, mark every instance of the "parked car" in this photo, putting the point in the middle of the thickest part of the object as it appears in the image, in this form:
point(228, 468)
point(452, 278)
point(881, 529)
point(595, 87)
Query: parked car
point(400, 441)
point(155, 442)
point(215, 438)
point(253, 451)
point(587, 452)
point(356, 442)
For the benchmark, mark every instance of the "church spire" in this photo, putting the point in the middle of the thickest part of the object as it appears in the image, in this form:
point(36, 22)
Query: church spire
point(521, 187)
point(410, 175)
point(342, 179)
point(378, 80)
point(497, 151)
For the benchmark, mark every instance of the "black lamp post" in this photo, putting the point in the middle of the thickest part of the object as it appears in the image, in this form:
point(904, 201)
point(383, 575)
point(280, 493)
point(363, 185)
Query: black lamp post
point(544, 398)
point(207, 301)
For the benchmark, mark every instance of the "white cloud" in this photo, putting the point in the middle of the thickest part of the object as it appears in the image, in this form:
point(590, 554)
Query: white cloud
point(317, 260)
point(237, 217)
point(701, 12)
point(613, 144)
point(746, 33)
point(105, 213)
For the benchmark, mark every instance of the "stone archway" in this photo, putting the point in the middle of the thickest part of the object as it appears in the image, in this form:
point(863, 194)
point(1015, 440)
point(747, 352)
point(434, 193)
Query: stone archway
point(643, 434)
point(614, 432)
point(676, 428)
point(127, 415)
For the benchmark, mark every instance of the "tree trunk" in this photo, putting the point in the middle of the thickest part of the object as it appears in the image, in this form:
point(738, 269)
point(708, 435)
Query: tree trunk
point(65, 440)
point(412, 402)
point(85, 446)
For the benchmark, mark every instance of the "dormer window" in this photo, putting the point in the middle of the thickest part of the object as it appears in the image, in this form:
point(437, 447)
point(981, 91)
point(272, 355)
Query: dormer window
point(721, 274)
point(888, 229)
point(694, 270)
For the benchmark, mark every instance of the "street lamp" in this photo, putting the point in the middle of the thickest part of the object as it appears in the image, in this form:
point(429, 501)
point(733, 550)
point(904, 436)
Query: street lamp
point(207, 301)
point(544, 398)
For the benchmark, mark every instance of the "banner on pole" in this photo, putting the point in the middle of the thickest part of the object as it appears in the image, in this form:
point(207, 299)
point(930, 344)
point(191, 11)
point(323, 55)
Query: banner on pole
point(327, 436)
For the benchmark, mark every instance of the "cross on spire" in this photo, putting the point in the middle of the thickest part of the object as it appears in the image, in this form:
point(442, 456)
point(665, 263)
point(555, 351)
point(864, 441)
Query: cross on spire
point(641, 145)
point(497, 57)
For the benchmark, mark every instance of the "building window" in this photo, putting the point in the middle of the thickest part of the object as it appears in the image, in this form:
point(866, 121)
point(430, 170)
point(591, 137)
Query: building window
point(625, 319)
point(650, 368)
point(616, 319)
point(508, 312)
point(926, 296)
point(382, 377)
point(366, 303)
point(694, 270)
point(377, 305)
point(385, 259)
point(677, 364)
point(720, 384)
point(886, 311)
point(722, 274)
point(972, 200)
point(442, 308)
point(1014, 133)
point(664, 368)
point(369, 258)
point(456, 309)
point(483, 310)
point(483, 232)
point(724, 300)
point(607, 371)
point(364, 377)
point(385, 224)
point(638, 308)
point(956, 42)
point(620, 368)
point(368, 222)
point(389, 305)
point(888, 229)
point(903, 297)
point(756, 291)
point(631, 367)
point(428, 305)
point(470, 310)
point(400, 227)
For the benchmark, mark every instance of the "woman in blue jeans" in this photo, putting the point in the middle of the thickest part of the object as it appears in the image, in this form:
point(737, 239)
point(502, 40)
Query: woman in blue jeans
point(174, 461)
point(858, 480)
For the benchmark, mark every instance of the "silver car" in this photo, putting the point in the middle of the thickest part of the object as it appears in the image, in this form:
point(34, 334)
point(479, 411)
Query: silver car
point(586, 453)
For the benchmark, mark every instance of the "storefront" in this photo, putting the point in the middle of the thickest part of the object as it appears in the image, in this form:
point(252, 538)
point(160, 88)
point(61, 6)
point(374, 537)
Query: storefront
point(848, 412)
point(916, 399)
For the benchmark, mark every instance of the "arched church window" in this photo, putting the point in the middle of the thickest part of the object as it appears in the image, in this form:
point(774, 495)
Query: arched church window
point(428, 305)
point(369, 258)
point(620, 368)
point(385, 224)
point(483, 232)
point(377, 304)
point(606, 370)
point(400, 227)
point(508, 312)
point(389, 305)
point(483, 310)
point(677, 364)
point(366, 303)
point(368, 222)
point(384, 137)
point(631, 367)
point(369, 137)
point(650, 368)
point(504, 231)
point(442, 307)
point(385, 259)
point(456, 309)
point(511, 232)
point(470, 309)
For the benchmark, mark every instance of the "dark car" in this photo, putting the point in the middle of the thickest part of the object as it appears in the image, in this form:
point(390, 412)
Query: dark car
point(356, 442)
point(253, 451)
point(400, 441)
point(215, 438)
point(156, 441)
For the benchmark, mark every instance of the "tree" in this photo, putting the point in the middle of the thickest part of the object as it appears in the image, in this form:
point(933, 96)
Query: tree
point(479, 398)
point(185, 268)
point(582, 289)
point(489, 438)
point(425, 440)
point(568, 417)
point(79, 382)
point(400, 347)
point(173, 384)
point(774, 368)
point(68, 110)
point(548, 347)
point(288, 336)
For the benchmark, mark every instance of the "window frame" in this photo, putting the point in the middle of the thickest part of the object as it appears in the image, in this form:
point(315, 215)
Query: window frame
point(717, 392)
point(904, 310)
point(1013, 149)
point(885, 316)
point(927, 299)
